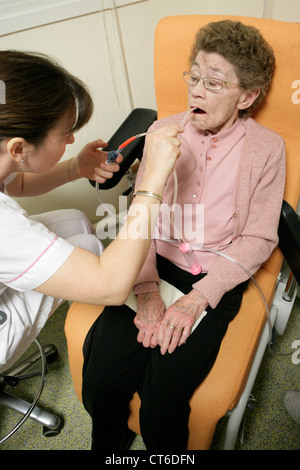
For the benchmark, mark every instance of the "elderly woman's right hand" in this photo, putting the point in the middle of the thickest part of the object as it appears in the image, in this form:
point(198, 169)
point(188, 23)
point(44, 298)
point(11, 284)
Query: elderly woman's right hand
point(163, 149)
point(150, 312)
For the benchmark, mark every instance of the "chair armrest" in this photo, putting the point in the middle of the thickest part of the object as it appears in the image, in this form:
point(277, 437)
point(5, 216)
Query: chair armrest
point(137, 122)
point(289, 238)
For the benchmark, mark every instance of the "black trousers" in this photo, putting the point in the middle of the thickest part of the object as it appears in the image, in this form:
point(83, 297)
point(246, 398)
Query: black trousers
point(116, 366)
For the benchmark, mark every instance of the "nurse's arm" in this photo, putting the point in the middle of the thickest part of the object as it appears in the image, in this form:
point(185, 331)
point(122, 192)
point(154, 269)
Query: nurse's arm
point(108, 279)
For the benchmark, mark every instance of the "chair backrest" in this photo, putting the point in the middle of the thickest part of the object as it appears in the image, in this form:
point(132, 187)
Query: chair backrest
point(280, 111)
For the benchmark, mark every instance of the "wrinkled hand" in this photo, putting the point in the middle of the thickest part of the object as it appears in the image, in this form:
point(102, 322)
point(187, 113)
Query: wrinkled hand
point(178, 320)
point(91, 164)
point(150, 312)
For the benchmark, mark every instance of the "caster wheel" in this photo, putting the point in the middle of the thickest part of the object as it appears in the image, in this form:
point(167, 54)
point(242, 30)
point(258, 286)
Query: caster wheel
point(250, 406)
point(52, 357)
point(52, 432)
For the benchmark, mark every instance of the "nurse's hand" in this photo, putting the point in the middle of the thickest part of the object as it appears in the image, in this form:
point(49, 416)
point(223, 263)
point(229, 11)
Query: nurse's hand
point(91, 162)
point(163, 149)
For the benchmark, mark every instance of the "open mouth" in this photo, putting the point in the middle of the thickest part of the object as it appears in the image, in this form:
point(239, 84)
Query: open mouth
point(198, 111)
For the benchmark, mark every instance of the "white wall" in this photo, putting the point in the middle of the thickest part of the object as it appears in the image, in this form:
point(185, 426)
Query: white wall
point(81, 44)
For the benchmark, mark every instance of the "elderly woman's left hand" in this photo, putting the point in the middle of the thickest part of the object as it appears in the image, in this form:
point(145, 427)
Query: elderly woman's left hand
point(178, 320)
point(90, 162)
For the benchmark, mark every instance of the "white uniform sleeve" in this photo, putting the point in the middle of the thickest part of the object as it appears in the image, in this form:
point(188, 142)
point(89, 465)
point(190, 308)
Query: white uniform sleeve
point(30, 254)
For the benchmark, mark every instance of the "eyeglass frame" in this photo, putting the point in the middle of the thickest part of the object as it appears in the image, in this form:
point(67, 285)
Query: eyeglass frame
point(223, 83)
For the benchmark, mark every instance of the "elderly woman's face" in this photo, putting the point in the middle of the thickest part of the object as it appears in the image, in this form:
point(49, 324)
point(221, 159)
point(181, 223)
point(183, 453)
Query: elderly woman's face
point(215, 111)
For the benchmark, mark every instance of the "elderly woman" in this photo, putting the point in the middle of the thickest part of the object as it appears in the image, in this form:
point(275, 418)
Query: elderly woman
point(238, 179)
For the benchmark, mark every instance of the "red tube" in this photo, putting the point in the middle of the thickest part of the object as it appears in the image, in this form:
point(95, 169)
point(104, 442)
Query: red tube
point(127, 142)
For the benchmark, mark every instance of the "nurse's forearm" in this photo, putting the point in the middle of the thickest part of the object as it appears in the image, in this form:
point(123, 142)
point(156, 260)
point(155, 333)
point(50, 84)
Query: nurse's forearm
point(34, 184)
point(108, 280)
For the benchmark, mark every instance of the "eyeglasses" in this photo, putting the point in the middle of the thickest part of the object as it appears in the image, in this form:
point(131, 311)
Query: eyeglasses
point(209, 83)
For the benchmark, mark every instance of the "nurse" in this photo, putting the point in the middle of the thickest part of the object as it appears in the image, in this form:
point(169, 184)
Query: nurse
point(52, 257)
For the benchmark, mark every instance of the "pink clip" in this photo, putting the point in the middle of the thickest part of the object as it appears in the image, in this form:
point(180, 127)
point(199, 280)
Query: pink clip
point(196, 269)
point(185, 247)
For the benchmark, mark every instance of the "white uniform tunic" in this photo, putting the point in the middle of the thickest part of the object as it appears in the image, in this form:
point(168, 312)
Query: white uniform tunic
point(30, 253)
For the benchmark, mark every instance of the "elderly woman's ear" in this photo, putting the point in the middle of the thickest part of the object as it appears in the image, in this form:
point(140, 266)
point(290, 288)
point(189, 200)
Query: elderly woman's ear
point(247, 99)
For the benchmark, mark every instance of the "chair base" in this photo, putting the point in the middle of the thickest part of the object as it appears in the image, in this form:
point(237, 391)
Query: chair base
point(284, 299)
point(236, 415)
point(279, 316)
point(52, 424)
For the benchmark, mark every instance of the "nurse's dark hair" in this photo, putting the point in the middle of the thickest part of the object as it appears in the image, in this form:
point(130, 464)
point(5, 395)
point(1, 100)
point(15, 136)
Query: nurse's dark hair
point(245, 48)
point(38, 92)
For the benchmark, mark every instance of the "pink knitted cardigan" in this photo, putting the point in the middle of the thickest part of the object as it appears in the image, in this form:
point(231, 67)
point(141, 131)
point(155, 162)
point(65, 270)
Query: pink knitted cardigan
point(258, 201)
